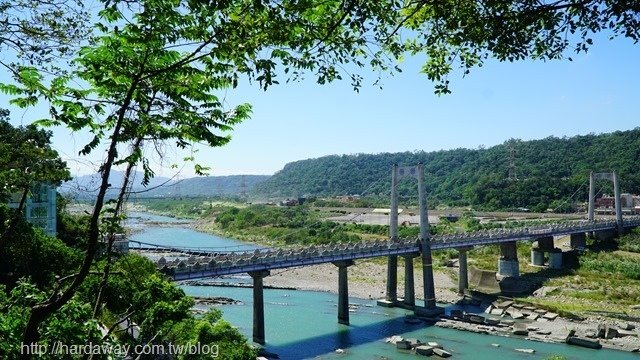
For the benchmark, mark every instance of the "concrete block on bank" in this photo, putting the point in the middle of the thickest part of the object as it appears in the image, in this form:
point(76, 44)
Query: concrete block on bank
point(611, 332)
point(441, 353)
point(424, 350)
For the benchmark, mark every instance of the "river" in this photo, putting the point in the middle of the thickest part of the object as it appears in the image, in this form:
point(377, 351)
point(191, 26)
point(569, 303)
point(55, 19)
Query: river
point(303, 324)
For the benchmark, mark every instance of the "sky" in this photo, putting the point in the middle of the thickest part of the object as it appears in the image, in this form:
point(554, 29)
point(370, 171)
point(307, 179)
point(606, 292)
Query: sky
point(597, 92)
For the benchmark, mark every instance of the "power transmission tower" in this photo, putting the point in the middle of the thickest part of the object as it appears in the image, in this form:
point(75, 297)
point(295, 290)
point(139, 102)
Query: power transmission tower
point(243, 187)
point(219, 187)
point(512, 160)
point(177, 187)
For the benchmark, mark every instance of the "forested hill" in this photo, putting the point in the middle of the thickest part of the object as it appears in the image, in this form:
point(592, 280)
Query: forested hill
point(548, 172)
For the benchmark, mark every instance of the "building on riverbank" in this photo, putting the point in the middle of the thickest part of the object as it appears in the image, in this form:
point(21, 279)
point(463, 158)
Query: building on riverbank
point(39, 207)
point(630, 204)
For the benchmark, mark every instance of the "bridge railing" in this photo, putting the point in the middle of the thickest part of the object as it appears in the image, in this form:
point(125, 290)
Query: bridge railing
point(333, 251)
point(273, 256)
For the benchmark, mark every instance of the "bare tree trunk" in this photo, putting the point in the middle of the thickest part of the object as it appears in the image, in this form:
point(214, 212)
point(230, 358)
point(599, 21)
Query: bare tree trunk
point(111, 238)
point(16, 215)
point(41, 311)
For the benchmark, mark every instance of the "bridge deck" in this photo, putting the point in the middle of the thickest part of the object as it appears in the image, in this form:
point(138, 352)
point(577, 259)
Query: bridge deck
point(216, 263)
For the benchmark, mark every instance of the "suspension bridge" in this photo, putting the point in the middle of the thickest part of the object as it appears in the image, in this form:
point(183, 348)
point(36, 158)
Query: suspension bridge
point(204, 262)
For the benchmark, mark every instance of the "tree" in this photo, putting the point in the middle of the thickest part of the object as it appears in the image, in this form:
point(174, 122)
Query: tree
point(153, 77)
point(26, 160)
point(71, 325)
point(38, 31)
point(26, 157)
point(29, 253)
point(467, 33)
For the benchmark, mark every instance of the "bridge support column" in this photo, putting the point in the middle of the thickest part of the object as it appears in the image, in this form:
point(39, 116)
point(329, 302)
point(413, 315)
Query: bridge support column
point(537, 257)
point(605, 235)
point(613, 176)
point(409, 286)
point(618, 203)
point(578, 240)
point(343, 291)
point(508, 263)
point(555, 259)
point(391, 297)
point(592, 197)
point(463, 274)
point(258, 306)
point(545, 244)
point(430, 308)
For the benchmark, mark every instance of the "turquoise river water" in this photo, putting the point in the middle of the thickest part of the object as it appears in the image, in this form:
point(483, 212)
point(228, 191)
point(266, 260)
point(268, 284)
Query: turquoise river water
point(303, 324)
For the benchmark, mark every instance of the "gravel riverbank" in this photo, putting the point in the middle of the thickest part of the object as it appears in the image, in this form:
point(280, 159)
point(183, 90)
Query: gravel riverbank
point(367, 280)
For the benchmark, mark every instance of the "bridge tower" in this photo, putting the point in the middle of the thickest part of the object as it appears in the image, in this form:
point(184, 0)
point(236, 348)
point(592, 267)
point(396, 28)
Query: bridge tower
point(430, 308)
point(616, 193)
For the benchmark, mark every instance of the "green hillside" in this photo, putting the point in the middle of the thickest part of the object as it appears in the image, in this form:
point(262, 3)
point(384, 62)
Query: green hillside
point(548, 172)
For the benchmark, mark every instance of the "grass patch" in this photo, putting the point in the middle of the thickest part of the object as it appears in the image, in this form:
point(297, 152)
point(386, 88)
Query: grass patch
point(613, 263)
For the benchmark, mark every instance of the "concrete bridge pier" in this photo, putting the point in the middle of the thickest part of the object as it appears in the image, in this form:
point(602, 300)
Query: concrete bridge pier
point(391, 297)
point(578, 240)
point(508, 265)
point(258, 305)
point(605, 235)
point(343, 291)
point(430, 309)
point(540, 246)
point(555, 259)
point(545, 244)
point(463, 272)
point(537, 257)
point(409, 286)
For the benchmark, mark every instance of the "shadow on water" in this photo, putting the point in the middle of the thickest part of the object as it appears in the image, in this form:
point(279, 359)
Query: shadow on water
point(344, 337)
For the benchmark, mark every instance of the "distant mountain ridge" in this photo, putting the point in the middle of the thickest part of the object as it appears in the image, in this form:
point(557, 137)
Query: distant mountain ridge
point(230, 185)
point(545, 170)
point(86, 186)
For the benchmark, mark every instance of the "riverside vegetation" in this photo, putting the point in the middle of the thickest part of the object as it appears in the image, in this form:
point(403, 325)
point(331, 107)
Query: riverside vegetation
point(35, 264)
